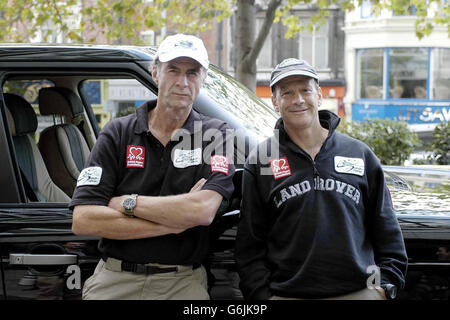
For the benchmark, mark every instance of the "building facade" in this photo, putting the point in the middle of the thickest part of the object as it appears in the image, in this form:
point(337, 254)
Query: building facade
point(391, 74)
point(323, 48)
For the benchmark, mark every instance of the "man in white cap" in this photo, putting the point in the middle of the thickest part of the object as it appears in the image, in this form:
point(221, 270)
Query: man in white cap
point(317, 218)
point(150, 198)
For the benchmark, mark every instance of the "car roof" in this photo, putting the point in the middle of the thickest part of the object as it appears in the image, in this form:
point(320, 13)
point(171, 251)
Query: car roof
point(58, 52)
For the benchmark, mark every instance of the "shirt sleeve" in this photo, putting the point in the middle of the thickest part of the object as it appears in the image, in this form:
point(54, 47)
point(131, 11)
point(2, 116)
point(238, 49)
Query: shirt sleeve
point(251, 240)
point(221, 166)
point(98, 180)
point(384, 229)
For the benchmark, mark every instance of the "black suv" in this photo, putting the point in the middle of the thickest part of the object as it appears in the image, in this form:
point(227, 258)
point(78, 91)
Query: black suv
point(54, 101)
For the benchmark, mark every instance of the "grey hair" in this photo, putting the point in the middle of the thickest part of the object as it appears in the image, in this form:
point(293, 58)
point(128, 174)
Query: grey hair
point(157, 64)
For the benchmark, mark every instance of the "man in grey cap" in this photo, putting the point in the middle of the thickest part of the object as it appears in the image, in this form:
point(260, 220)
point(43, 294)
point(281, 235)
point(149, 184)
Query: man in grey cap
point(150, 198)
point(317, 218)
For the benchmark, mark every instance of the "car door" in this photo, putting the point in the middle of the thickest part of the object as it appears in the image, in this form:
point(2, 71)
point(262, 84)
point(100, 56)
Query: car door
point(40, 256)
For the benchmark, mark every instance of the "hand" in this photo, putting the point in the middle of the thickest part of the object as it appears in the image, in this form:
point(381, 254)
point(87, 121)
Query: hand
point(116, 203)
point(199, 185)
point(382, 292)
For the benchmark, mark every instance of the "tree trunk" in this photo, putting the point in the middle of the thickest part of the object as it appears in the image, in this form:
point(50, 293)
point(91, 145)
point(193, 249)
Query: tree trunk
point(247, 47)
point(245, 37)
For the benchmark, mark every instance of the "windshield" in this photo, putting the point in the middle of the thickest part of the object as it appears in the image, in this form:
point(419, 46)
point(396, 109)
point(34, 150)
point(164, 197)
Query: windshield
point(241, 102)
point(419, 191)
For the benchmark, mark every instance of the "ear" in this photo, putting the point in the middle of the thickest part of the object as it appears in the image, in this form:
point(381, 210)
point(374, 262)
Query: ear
point(275, 103)
point(319, 93)
point(155, 74)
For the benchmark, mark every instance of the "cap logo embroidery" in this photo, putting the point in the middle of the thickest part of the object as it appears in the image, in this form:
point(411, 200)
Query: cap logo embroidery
point(135, 156)
point(219, 164)
point(185, 44)
point(280, 168)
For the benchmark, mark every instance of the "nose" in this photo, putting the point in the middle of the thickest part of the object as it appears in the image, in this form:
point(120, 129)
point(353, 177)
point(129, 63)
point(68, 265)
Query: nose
point(298, 98)
point(182, 80)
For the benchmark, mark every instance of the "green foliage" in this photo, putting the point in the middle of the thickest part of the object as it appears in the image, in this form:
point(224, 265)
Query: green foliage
point(117, 21)
point(120, 21)
point(424, 24)
point(390, 140)
point(440, 146)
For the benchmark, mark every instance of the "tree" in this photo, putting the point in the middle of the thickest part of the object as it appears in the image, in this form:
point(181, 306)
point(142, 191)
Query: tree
point(440, 146)
point(120, 21)
point(249, 41)
point(107, 21)
point(390, 140)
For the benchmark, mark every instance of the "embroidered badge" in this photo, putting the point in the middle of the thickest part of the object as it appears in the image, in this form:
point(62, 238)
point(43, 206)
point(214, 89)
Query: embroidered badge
point(135, 156)
point(186, 158)
point(90, 176)
point(349, 165)
point(219, 164)
point(280, 168)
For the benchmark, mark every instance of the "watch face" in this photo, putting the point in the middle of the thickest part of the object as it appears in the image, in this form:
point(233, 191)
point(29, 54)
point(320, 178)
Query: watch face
point(393, 292)
point(129, 203)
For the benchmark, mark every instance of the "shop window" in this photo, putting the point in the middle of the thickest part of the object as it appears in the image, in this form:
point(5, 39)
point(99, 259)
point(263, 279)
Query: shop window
point(370, 73)
point(408, 73)
point(440, 82)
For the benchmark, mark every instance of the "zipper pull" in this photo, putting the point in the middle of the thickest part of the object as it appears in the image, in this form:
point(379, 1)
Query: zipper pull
point(316, 172)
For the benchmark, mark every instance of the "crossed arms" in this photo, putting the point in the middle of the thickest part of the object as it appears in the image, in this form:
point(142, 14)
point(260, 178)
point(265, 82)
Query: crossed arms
point(155, 216)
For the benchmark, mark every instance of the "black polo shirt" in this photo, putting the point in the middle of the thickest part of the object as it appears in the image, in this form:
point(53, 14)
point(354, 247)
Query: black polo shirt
point(128, 159)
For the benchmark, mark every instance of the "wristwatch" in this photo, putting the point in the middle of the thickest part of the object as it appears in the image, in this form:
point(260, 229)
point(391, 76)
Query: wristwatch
point(129, 204)
point(390, 290)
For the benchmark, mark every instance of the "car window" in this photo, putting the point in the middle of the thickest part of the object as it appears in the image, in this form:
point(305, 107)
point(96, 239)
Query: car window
point(238, 100)
point(48, 167)
point(29, 90)
point(419, 191)
point(111, 98)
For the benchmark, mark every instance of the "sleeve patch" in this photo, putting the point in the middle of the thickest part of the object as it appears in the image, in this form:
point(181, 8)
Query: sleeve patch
point(219, 164)
point(90, 176)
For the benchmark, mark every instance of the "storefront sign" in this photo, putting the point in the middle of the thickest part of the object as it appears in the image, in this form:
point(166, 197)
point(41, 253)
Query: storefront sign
point(412, 114)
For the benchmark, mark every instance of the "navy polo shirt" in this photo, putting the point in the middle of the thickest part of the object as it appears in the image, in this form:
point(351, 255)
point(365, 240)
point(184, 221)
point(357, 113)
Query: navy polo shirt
point(128, 159)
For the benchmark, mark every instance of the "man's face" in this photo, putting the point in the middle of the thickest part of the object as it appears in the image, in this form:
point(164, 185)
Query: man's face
point(297, 99)
point(179, 82)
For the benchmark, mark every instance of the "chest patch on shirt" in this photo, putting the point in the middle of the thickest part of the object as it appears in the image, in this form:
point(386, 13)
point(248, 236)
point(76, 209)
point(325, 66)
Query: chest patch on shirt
point(349, 165)
point(219, 164)
point(135, 156)
point(90, 176)
point(187, 158)
point(280, 168)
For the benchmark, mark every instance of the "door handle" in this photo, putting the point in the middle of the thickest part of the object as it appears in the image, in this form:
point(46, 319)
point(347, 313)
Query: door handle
point(41, 259)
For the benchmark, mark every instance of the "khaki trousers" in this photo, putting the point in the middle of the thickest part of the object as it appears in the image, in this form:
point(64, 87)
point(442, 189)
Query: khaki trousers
point(364, 294)
point(109, 283)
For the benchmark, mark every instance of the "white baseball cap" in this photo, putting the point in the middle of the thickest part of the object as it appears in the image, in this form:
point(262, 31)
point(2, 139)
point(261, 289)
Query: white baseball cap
point(182, 45)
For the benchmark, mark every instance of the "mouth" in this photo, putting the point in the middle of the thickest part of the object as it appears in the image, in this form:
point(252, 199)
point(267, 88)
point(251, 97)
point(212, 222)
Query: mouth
point(181, 94)
point(298, 110)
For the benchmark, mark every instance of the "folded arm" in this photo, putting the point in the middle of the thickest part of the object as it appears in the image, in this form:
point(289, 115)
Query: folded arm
point(103, 221)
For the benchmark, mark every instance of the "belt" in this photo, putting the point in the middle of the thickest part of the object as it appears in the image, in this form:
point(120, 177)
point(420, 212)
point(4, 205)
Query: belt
point(149, 268)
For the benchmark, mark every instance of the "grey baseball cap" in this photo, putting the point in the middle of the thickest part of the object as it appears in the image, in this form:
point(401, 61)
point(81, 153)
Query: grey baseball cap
point(292, 67)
